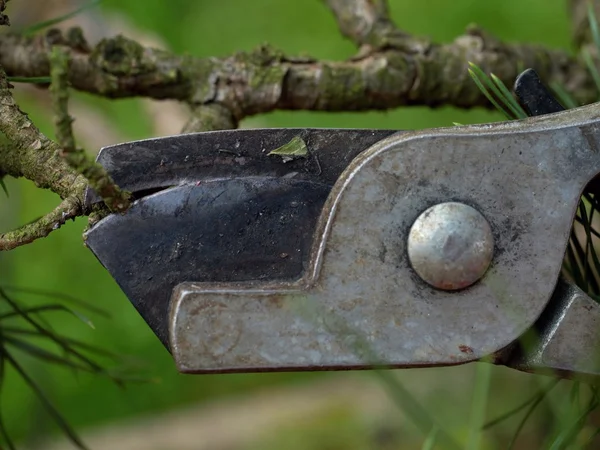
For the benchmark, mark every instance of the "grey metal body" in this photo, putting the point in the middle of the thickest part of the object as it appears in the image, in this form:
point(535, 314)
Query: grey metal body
point(328, 284)
point(360, 303)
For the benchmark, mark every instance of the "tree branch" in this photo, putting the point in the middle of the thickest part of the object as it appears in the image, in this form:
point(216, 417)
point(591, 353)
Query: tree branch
point(69, 208)
point(367, 22)
point(31, 154)
point(210, 117)
point(98, 178)
point(28, 153)
point(266, 80)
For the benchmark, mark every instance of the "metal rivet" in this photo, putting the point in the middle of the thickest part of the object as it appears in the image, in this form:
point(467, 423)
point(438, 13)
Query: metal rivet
point(450, 245)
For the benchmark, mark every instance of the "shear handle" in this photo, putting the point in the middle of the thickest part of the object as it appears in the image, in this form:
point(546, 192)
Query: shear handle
point(565, 340)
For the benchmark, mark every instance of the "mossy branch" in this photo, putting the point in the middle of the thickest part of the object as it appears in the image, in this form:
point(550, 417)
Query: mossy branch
point(59, 63)
point(413, 71)
point(367, 23)
point(69, 208)
point(210, 117)
point(28, 153)
point(98, 178)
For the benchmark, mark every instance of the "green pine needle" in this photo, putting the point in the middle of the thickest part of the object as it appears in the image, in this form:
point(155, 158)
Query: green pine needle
point(534, 399)
point(589, 62)
point(3, 186)
point(497, 93)
point(593, 21)
point(23, 331)
point(508, 98)
point(58, 418)
point(563, 96)
point(55, 21)
point(566, 437)
point(61, 296)
point(485, 92)
point(479, 404)
point(47, 308)
point(431, 439)
point(32, 80)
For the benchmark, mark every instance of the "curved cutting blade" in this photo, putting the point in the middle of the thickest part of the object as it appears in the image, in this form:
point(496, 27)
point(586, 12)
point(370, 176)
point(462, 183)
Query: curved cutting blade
point(153, 164)
point(224, 230)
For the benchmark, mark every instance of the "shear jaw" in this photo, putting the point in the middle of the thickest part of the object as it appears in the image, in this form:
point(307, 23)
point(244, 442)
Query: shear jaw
point(565, 339)
point(361, 303)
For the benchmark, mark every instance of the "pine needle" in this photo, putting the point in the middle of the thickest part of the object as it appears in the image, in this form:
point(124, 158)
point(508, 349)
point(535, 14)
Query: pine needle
point(3, 186)
point(31, 80)
point(56, 416)
point(55, 21)
point(563, 96)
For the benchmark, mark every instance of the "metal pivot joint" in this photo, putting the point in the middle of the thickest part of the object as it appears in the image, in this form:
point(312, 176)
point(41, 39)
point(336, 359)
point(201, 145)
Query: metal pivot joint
point(450, 245)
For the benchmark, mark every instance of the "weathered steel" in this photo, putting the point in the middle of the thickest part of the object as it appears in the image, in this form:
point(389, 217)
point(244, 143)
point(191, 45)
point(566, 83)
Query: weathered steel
point(154, 164)
point(233, 212)
point(250, 262)
point(222, 230)
point(360, 303)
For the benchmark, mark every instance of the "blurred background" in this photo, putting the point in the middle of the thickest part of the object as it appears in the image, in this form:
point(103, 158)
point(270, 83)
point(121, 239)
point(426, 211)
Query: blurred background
point(324, 411)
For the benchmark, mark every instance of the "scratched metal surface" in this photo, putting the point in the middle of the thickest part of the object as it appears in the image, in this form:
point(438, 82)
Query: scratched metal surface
point(227, 210)
point(361, 304)
point(173, 160)
point(226, 230)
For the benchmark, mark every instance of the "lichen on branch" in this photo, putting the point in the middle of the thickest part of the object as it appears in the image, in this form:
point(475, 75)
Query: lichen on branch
point(69, 208)
point(26, 152)
point(116, 199)
point(418, 72)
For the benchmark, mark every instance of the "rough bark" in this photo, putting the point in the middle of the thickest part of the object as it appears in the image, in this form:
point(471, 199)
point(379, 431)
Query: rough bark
point(418, 73)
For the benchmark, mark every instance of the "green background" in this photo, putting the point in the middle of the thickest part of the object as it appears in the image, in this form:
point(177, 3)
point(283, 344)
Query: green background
point(218, 28)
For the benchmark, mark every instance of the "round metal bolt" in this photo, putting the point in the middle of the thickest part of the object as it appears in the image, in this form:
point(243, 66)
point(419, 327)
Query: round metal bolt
point(450, 245)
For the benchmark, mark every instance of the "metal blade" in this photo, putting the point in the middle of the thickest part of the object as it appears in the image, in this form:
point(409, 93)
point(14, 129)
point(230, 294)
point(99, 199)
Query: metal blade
point(535, 98)
point(223, 230)
point(170, 161)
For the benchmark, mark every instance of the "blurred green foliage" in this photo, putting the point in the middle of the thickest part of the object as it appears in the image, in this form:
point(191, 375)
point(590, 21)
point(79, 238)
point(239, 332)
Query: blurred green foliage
point(216, 28)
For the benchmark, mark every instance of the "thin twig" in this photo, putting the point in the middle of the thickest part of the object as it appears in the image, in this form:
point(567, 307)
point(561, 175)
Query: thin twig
point(116, 199)
point(69, 208)
point(59, 90)
point(26, 152)
point(368, 23)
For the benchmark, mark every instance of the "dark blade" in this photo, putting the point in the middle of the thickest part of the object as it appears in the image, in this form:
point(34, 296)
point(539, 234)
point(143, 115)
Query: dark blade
point(238, 229)
point(157, 163)
point(534, 97)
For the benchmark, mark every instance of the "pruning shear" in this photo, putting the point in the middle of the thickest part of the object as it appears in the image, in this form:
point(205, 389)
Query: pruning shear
point(326, 249)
